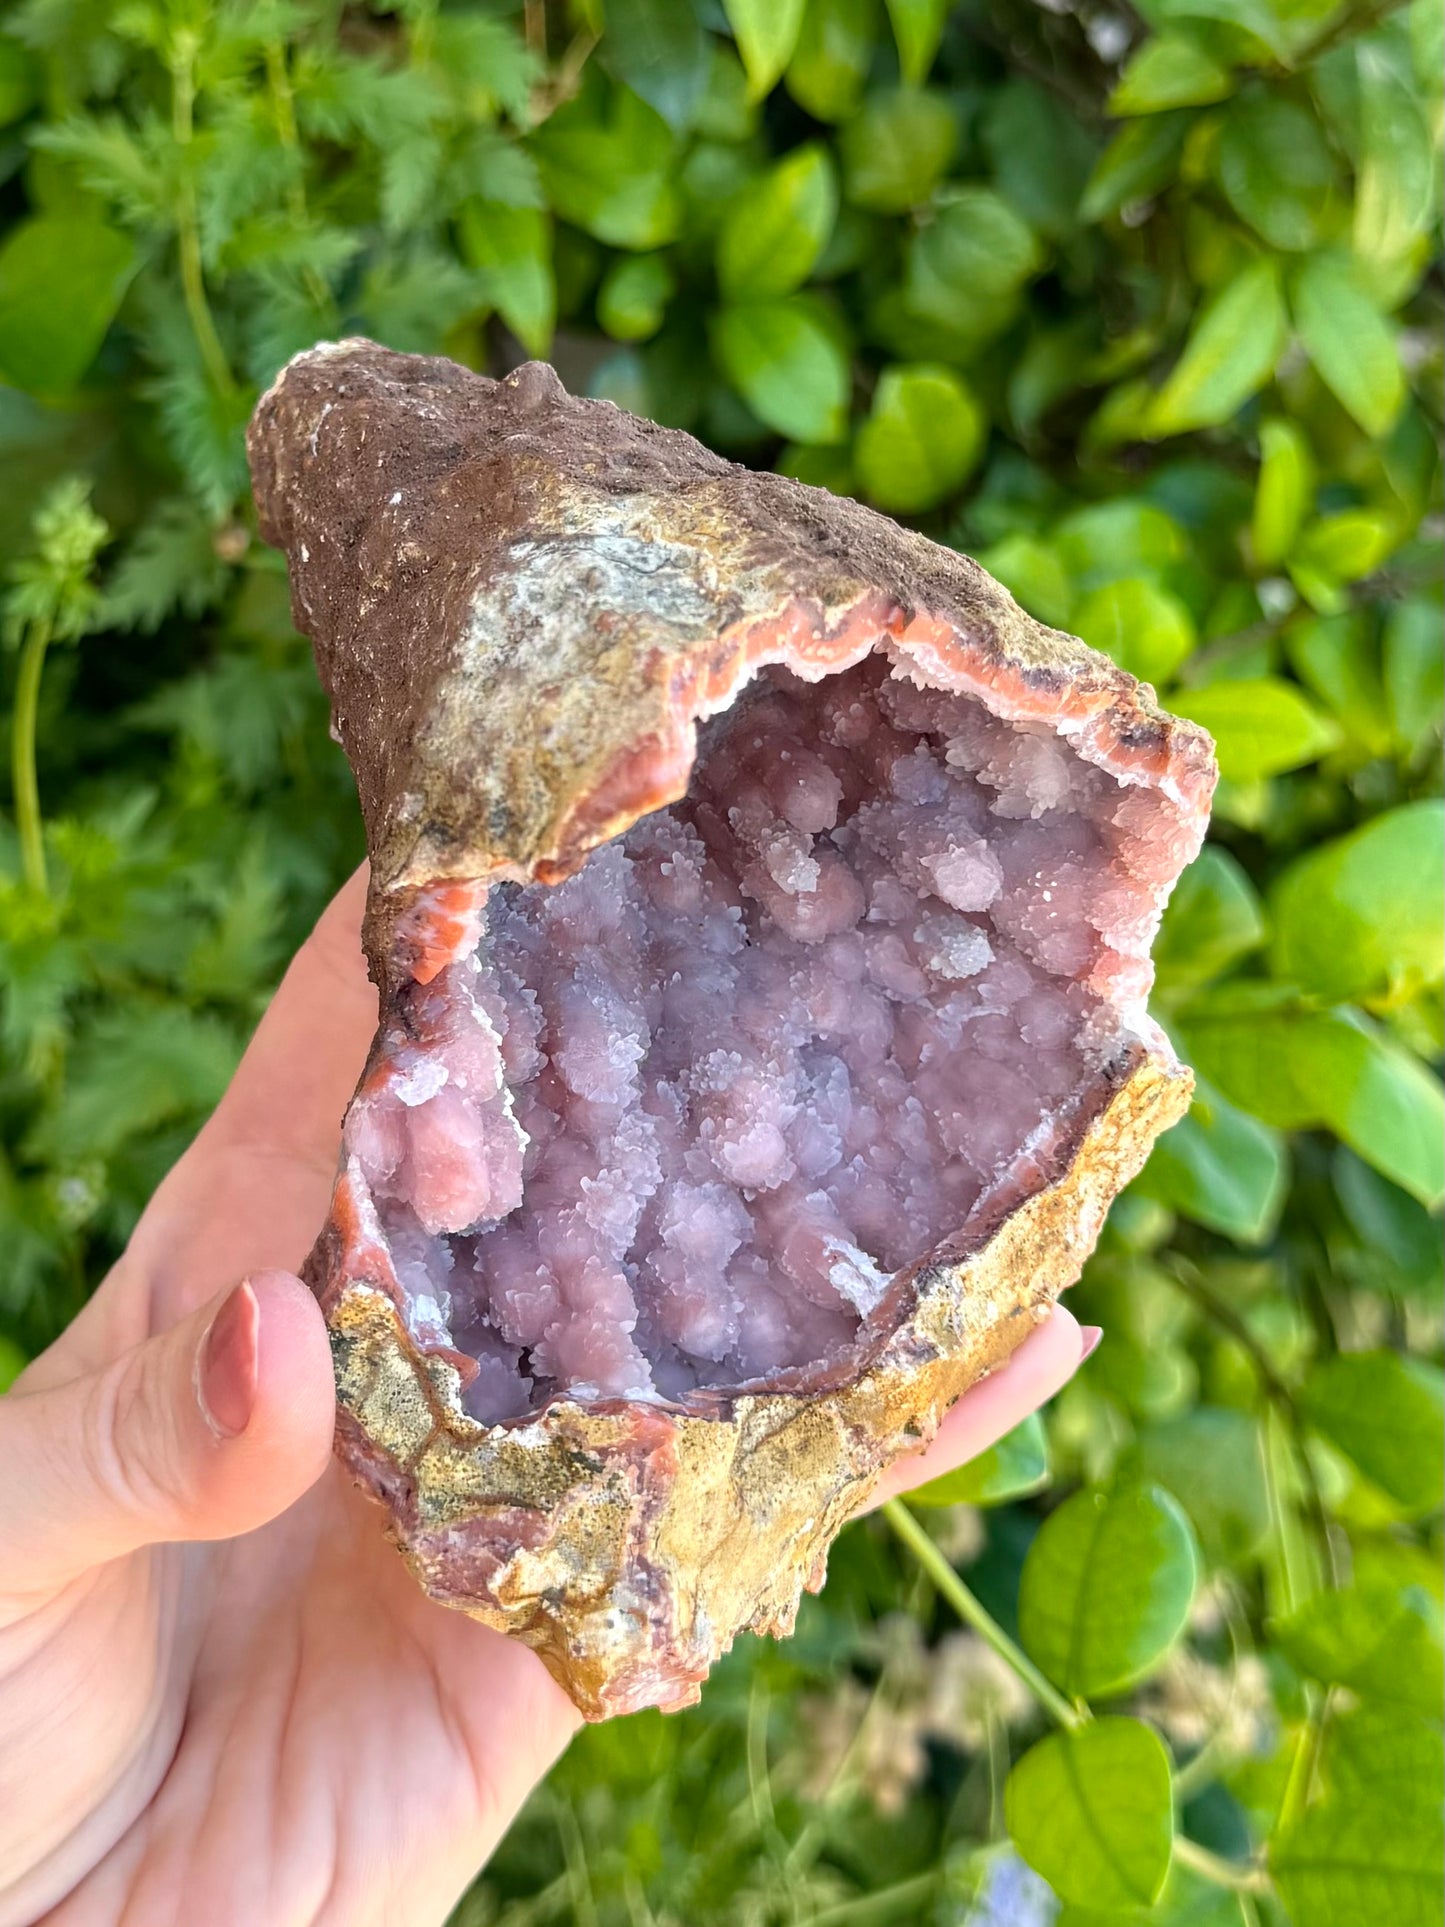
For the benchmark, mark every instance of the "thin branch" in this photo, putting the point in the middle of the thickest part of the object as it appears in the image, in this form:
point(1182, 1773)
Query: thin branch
point(1218, 1871)
point(973, 1612)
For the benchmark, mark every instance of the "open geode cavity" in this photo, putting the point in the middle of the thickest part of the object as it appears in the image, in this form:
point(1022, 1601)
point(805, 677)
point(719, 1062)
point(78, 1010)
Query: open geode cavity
point(761, 905)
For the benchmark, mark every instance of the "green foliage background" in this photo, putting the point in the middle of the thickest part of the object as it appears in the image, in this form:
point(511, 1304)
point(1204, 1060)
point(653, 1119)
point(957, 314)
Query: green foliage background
point(1140, 305)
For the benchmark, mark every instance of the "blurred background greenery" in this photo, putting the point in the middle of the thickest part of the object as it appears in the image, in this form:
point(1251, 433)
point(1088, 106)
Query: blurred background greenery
point(1139, 302)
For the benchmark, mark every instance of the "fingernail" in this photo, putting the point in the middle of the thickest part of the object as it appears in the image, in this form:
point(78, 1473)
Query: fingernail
point(226, 1364)
point(1089, 1336)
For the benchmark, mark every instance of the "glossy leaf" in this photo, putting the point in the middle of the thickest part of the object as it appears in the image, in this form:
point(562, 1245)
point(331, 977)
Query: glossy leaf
point(1230, 354)
point(1396, 189)
point(921, 439)
point(1360, 916)
point(634, 295)
point(1414, 671)
point(62, 278)
point(1139, 161)
point(787, 366)
point(1107, 1587)
point(829, 67)
point(1296, 1068)
point(1387, 1413)
point(1146, 629)
point(896, 148)
point(659, 48)
point(1170, 71)
point(1213, 919)
point(1284, 493)
point(1384, 1645)
point(1015, 1466)
point(1092, 1811)
point(1221, 1168)
point(511, 247)
point(1260, 726)
point(1348, 340)
point(1276, 169)
point(973, 250)
point(918, 28)
point(778, 226)
point(612, 175)
point(766, 32)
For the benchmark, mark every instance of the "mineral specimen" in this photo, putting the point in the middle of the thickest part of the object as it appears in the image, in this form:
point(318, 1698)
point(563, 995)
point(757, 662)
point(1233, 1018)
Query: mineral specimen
point(761, 907)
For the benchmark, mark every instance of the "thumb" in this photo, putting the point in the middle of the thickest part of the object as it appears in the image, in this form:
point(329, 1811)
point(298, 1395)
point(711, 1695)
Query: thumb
point(204, 1432)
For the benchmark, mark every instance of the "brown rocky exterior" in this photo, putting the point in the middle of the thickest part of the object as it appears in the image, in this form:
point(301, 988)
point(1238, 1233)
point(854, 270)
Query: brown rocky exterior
point(520, 602)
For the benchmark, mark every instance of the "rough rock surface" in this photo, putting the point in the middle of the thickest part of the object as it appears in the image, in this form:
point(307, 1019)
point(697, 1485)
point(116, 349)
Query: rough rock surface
point(691, 1180)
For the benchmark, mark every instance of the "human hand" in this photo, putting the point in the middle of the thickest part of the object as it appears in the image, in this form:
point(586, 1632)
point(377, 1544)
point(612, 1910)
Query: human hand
point(222, 1695)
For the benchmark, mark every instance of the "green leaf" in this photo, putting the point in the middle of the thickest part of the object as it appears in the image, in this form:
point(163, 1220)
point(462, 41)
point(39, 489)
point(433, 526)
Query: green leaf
point(1107, 1587)
point(1348, 340)
point(659, 48)
point(1284, 493)
point(1387, 1413)
point(787, 366)
point(1339, 549)
point(1414, 671)
point(1125, 536)
point(1276, 169)
point(1220, 1168)
point(61, 282)
point(778, 226)
point(1374, 1848)
point(1296, 1068)
point(1399, 1237)
point(895, 150)
point(615, 176)
point(21, 77)
point(1092, 1811)
point(766, 32)
point(12, 1360)
point(1261, 726)
point(1360, 917)
point(1230, 354)
point(511, 247)
point(1335, 656)
point(1010, 1469)
point(1033, 573)
point(1258, 18)
point(1040, 152)
point(922, 438)
point(1139, 161)
point(1395, 175)
point(1146, 629)
point(1383, 1643)
point(918, 28)
point(829, 68)
point(1212, 920)
point(974, 251)
point(634, 295)
point(1170, 71)
point(1214, 1459)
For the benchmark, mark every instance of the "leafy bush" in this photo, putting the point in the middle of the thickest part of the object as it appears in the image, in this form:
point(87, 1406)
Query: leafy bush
point(1142, 309)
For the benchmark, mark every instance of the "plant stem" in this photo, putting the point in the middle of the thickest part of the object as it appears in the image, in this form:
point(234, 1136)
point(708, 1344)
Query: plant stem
point(188, 232)
point(22, 757)
point(974, 1614)
point(283, 105)
point(879, 1905)
point(1217, 1870)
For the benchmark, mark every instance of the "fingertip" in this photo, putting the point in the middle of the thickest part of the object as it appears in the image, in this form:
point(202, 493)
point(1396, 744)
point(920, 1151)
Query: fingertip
point(295, 1412)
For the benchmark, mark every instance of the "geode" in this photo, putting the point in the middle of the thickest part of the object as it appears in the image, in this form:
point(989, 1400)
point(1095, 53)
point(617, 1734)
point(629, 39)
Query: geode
point(761, 906)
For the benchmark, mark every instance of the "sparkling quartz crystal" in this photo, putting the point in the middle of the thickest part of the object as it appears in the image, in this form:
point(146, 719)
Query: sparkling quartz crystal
point(761, 907)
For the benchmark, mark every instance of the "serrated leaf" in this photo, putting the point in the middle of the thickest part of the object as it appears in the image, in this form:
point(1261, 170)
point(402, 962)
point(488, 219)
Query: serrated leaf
point(170, 563)
point(787, 366)
point(1348, 340)
point(1169, 71)
point(1092, 1811)
point(1360, 917)
point(766, 32)
point(1107, 1587)
point(778, 226)
point(1387, 1413)
point(1231, 353)
point(922, 438)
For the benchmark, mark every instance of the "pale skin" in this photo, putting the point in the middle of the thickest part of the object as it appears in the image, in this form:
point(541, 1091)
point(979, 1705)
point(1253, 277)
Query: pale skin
point(222, 1695)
